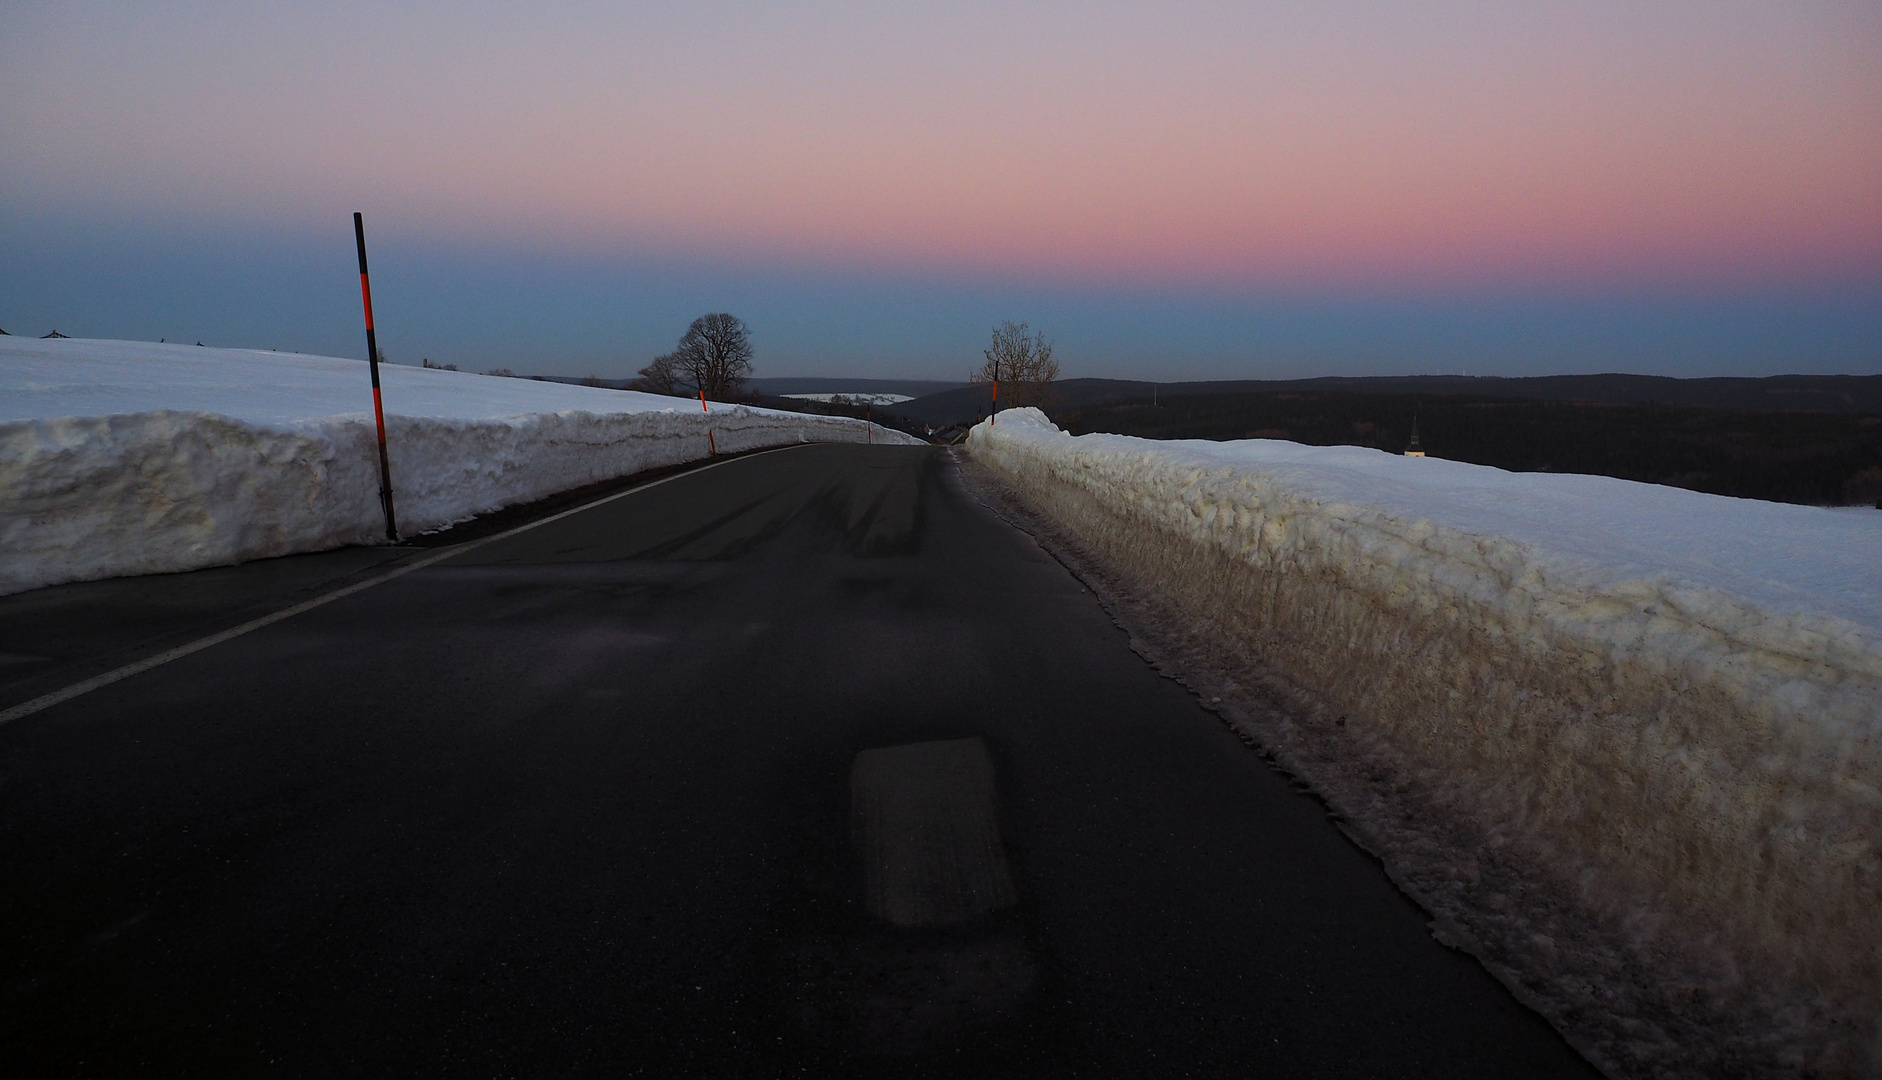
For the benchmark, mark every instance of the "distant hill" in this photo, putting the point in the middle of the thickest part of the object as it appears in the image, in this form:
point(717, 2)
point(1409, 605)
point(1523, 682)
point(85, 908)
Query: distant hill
point(966, 402)
point(1777, 393)
point(582, 380)
point(912, 387)
point(1785, 455)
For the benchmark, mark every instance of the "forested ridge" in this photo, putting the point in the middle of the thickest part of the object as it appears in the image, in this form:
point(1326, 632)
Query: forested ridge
point(1799, 457)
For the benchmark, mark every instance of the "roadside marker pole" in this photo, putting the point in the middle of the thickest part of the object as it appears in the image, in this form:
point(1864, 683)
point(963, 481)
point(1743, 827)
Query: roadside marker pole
point(711, 447)
point(372, 360)
point(994, 416)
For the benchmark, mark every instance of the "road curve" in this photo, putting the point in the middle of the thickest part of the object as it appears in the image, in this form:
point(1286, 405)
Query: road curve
point(804, 764)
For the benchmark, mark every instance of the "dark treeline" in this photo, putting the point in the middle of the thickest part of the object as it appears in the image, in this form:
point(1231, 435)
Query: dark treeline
point(1798, 457)
point(1775, 393)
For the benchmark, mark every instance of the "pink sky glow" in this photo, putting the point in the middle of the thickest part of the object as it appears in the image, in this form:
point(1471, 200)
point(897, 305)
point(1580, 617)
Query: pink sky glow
point(1673, 145)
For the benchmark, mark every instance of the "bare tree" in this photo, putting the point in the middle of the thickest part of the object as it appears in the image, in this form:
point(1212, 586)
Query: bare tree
point(715, 355)
point(1021, 362)
point(658, 377)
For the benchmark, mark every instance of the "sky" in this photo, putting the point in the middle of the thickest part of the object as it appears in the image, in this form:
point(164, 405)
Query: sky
point(1206, 190)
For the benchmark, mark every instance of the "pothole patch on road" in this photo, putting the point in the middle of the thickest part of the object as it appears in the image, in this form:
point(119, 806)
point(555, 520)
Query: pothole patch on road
point(944, 956)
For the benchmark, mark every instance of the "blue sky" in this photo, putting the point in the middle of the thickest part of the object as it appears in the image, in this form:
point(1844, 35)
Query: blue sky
point(548, 313)
point(1223, 190)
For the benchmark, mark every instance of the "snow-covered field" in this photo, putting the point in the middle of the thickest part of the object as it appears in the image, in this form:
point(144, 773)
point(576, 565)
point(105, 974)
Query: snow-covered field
point(1671, 700)
point(121, 457)
point(855, 399)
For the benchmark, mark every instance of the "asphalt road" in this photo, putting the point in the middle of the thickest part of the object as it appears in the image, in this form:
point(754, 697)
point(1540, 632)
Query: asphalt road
point(804, 764)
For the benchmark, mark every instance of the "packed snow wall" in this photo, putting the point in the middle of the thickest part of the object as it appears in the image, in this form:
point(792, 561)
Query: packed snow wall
point(1670, 700)
point(139, 492)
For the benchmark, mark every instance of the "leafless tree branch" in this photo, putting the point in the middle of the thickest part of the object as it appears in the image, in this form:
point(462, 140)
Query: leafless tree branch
point(1022, 362)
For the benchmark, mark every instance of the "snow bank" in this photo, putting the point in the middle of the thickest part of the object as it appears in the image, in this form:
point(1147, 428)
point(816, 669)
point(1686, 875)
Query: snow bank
point(1670, 700)
point(134, 458)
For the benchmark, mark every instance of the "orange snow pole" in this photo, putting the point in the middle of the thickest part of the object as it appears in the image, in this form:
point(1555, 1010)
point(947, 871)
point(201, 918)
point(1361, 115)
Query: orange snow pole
point(712, 447)
point(372, 360)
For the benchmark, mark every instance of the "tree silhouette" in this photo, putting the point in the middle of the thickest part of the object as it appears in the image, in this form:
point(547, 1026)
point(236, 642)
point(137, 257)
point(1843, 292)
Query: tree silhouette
point(1022, 363)
point(715, 355)
point(659, 376)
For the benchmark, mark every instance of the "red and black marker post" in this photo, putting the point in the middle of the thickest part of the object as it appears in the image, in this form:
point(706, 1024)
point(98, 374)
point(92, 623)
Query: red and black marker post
point(994, 416)
point(372, 360)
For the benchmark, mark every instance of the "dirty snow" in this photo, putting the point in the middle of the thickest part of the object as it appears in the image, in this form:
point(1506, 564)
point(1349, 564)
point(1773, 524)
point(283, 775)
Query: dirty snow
point(1669, 702)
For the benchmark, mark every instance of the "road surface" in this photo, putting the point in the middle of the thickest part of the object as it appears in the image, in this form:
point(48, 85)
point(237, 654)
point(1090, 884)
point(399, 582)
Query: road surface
point(802, 764)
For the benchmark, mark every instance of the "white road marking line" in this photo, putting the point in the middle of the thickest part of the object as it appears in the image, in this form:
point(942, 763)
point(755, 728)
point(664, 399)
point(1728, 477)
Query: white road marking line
point(47, 701)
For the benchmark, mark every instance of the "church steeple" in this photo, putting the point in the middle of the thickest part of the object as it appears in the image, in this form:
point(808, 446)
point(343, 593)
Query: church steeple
point(1414, 450)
